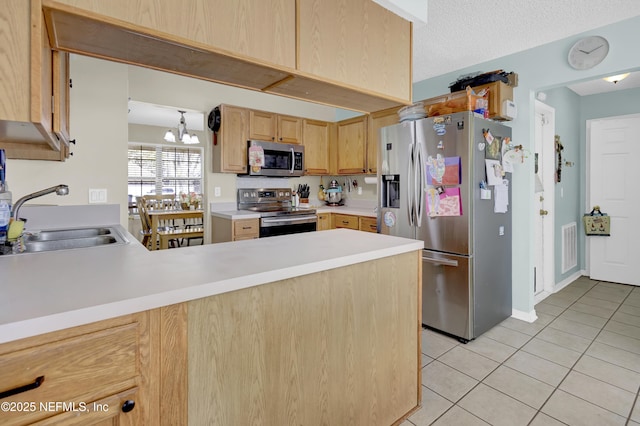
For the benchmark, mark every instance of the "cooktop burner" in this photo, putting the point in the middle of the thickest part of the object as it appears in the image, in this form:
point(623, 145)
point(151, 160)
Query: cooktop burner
point(269, 202)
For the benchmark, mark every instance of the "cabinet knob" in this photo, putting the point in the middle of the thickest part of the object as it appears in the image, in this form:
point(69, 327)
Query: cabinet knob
point(363, 170)
point(128, 405)
point(73, 141)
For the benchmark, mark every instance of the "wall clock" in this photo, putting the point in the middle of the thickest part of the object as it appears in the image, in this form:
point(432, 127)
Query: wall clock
point(588, 52)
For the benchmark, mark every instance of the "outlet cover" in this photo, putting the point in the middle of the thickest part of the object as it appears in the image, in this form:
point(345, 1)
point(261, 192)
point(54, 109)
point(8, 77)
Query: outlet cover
point(217, 191)
point(97, 196)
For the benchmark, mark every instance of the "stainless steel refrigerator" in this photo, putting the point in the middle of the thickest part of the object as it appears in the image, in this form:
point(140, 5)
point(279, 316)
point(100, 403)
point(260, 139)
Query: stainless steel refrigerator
point(430, 174)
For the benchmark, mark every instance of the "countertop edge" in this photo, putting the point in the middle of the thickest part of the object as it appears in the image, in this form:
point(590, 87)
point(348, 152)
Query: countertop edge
point(57, 321)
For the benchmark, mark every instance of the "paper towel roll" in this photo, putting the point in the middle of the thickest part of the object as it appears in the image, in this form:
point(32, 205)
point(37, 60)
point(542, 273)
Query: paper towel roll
point(370, 180)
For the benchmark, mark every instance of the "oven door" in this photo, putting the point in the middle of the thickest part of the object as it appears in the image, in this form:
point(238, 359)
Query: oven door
point(279, 225)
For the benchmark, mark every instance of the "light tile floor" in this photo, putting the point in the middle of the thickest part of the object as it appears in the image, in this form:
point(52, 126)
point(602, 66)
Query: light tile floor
point(577, 364)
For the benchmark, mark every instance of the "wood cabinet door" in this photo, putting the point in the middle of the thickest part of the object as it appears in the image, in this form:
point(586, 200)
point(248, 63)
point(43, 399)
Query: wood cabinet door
point(289, 129)
point(262, 126)
point(315, 138)
point(324, 222)
point(378, 120)
point(232, 142)
point(356, 42)
point(259, 29)
point(61, 96)
point(352, 138)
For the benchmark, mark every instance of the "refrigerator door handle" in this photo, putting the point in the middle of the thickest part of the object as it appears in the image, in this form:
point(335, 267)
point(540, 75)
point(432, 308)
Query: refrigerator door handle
point(421, 184)
point(410, 180)
point(443, 262)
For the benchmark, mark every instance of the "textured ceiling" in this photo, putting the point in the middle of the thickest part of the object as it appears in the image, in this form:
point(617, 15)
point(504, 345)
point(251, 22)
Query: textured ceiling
point(462, 33)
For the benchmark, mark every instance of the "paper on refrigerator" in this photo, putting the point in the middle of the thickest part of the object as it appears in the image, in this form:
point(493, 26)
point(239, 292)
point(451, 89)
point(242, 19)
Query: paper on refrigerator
point(495, 172)
point(501, 197)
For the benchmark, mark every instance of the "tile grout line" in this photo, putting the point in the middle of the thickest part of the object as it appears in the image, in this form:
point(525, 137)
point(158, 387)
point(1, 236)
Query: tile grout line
point(582, 354)
point(531, 337)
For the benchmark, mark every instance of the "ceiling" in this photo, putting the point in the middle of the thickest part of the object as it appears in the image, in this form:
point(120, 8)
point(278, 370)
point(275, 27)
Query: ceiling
point(164, 116)
point(461, 33)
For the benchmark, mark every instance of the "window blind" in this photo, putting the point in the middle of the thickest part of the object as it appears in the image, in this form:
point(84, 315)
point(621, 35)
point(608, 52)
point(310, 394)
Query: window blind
point(161, 169)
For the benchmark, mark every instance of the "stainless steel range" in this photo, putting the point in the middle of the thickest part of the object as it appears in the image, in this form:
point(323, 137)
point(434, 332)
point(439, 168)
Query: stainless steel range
point(277, 217)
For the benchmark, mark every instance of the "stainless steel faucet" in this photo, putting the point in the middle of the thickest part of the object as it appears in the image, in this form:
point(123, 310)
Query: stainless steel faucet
point(58, 189)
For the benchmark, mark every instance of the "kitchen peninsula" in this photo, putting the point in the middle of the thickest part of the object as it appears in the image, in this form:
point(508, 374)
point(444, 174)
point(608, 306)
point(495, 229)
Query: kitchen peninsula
point(320, 327)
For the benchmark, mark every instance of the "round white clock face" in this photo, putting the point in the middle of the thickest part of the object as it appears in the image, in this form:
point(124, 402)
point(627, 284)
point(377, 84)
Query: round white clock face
point(588, 52)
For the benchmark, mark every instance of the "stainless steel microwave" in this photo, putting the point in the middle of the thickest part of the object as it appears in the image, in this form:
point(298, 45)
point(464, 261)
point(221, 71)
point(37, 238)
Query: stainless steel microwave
point(274, 159)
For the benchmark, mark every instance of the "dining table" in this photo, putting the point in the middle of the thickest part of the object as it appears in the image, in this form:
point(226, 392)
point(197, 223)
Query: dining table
point(156, 216)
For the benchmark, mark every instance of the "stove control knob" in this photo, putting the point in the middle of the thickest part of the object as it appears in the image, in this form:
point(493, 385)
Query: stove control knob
point(254, 194)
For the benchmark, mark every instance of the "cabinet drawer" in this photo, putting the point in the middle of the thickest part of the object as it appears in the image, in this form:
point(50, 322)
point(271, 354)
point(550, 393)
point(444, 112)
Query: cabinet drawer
point(246, 228)
point(79, 369)
point(105, 411)
point(346, 221)
point(368, 224)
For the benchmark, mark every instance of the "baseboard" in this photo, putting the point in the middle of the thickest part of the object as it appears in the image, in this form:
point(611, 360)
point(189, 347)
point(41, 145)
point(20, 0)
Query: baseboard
point(559, 286)
point(540, 297)
point(524, 316)
point(571, 278)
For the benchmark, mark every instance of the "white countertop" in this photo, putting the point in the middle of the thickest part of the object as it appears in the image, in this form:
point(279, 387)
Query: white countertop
point(49, 291)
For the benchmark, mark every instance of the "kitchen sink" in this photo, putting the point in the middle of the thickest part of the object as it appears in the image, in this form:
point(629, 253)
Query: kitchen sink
point(71, 238)
point(65, 234)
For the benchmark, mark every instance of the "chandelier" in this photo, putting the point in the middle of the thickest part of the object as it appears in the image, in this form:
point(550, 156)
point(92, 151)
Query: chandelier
point(183, 133)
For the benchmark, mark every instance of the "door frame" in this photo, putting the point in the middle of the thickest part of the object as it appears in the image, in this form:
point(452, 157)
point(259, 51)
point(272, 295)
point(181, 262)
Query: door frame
point(587, 198)
point(548, 183)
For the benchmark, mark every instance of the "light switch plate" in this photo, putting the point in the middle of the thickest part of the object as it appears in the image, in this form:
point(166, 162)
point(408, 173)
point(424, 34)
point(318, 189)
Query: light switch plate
point(97, 196)
point(217, 191)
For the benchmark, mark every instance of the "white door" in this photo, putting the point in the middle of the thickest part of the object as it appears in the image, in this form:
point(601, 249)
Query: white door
point(544, 199)
point(614, 185)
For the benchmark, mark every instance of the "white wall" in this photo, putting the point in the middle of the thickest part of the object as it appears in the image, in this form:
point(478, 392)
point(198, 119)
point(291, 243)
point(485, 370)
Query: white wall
point(98, 119)
point(98, 116)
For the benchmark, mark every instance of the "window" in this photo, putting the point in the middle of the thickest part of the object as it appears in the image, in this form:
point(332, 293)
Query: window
point(162, 169)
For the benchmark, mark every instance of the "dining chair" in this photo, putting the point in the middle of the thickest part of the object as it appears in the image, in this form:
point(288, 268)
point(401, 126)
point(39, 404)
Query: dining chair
point(146, 203)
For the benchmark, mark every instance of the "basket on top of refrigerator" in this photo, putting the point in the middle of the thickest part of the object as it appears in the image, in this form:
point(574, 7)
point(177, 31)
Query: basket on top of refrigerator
point(412, 112)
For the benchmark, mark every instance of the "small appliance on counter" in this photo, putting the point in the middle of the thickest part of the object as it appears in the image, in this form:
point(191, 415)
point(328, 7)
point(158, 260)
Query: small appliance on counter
point(333, 195)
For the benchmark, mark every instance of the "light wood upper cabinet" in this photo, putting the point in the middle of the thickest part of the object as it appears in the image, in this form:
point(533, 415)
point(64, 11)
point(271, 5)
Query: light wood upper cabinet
point(289, 129)
point(262, 125)
point(355, 55)
point(377, 120)
point(350, 145)
point(263, 30)
point(315, 138)
point(34, 86)
point(230, 148)
point(267, 126)
point(357, 42)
